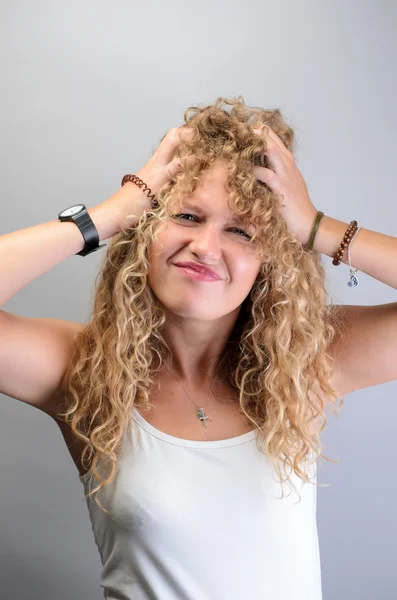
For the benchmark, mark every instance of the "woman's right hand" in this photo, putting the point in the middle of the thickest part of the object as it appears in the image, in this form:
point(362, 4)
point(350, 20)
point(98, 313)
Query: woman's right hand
point(159, 169)
point(128, 204)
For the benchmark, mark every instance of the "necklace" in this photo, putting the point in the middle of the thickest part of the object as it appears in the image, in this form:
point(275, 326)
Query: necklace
point(200, 410)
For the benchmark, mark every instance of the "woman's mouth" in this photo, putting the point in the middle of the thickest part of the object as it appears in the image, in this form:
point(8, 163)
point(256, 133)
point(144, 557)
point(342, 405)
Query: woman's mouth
point(197, 273)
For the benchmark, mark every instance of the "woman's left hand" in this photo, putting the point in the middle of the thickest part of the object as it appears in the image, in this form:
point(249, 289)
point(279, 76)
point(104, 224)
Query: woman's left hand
point(285, 180)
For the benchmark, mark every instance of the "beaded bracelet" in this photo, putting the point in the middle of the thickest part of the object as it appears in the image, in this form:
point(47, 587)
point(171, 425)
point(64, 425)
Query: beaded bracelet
point(347, 241)
point(347, 238)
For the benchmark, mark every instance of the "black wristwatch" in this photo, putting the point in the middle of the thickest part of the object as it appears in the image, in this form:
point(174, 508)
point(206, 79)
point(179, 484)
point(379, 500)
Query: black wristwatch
point(79, 214)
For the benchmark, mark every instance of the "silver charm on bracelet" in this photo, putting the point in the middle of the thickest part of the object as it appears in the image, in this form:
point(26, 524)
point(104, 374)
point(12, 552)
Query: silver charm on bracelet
point(353, 282)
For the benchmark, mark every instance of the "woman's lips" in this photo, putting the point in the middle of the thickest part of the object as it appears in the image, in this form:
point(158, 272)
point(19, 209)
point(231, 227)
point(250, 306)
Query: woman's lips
point(199, 268)
point(197, 275)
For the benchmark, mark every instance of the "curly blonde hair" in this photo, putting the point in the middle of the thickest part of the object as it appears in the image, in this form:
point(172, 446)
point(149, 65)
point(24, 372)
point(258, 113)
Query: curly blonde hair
point(275, 358)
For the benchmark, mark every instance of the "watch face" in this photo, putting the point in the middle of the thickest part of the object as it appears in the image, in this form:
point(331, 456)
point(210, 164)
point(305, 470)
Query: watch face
point(72, 210)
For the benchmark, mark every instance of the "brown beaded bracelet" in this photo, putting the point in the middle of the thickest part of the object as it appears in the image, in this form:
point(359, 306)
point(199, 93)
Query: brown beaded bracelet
point(347, 238)
point(134, 179)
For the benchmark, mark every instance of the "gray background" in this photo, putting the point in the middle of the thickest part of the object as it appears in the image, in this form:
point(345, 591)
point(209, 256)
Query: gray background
point(88, 89)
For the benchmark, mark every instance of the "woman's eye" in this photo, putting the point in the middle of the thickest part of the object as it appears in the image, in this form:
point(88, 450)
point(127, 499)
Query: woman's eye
point(179, 216)
point(183, 215)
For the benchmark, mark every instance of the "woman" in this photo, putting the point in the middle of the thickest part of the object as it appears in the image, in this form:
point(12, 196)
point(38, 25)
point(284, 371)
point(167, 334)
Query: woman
point(197, 390)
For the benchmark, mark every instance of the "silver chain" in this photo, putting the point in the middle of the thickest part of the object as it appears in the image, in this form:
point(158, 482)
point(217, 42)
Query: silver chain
point(200, 409)
point(353, 281)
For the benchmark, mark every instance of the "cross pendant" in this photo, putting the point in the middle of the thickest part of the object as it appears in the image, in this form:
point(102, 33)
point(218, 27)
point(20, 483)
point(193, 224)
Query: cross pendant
point(202, 416)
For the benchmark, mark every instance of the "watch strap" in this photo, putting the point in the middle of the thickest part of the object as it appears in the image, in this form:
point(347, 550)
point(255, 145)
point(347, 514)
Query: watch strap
point(87, 229)
point(89, 233)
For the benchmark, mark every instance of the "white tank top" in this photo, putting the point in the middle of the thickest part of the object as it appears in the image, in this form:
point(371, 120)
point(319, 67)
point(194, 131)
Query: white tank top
point(204, 520)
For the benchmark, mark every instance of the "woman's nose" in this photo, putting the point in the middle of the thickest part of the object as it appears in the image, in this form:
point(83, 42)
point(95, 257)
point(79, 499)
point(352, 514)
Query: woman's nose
point(207, 241)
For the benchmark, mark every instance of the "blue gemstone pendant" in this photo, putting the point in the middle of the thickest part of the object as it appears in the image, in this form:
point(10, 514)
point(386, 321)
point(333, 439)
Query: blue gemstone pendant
point(353, 281)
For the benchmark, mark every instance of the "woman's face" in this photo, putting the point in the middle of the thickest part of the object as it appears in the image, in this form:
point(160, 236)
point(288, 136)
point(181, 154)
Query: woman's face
point(208, 237)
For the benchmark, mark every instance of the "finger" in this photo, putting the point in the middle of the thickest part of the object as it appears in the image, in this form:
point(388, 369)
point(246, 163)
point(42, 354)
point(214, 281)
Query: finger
point(185, 133)
point(174, 166)
point(275, 155)
point(170, 142)
point(275, 158)
point(271, 136)
point(269, 177)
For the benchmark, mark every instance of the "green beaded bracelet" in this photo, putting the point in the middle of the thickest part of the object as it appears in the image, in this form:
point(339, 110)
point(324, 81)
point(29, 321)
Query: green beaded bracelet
point(309, 246)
